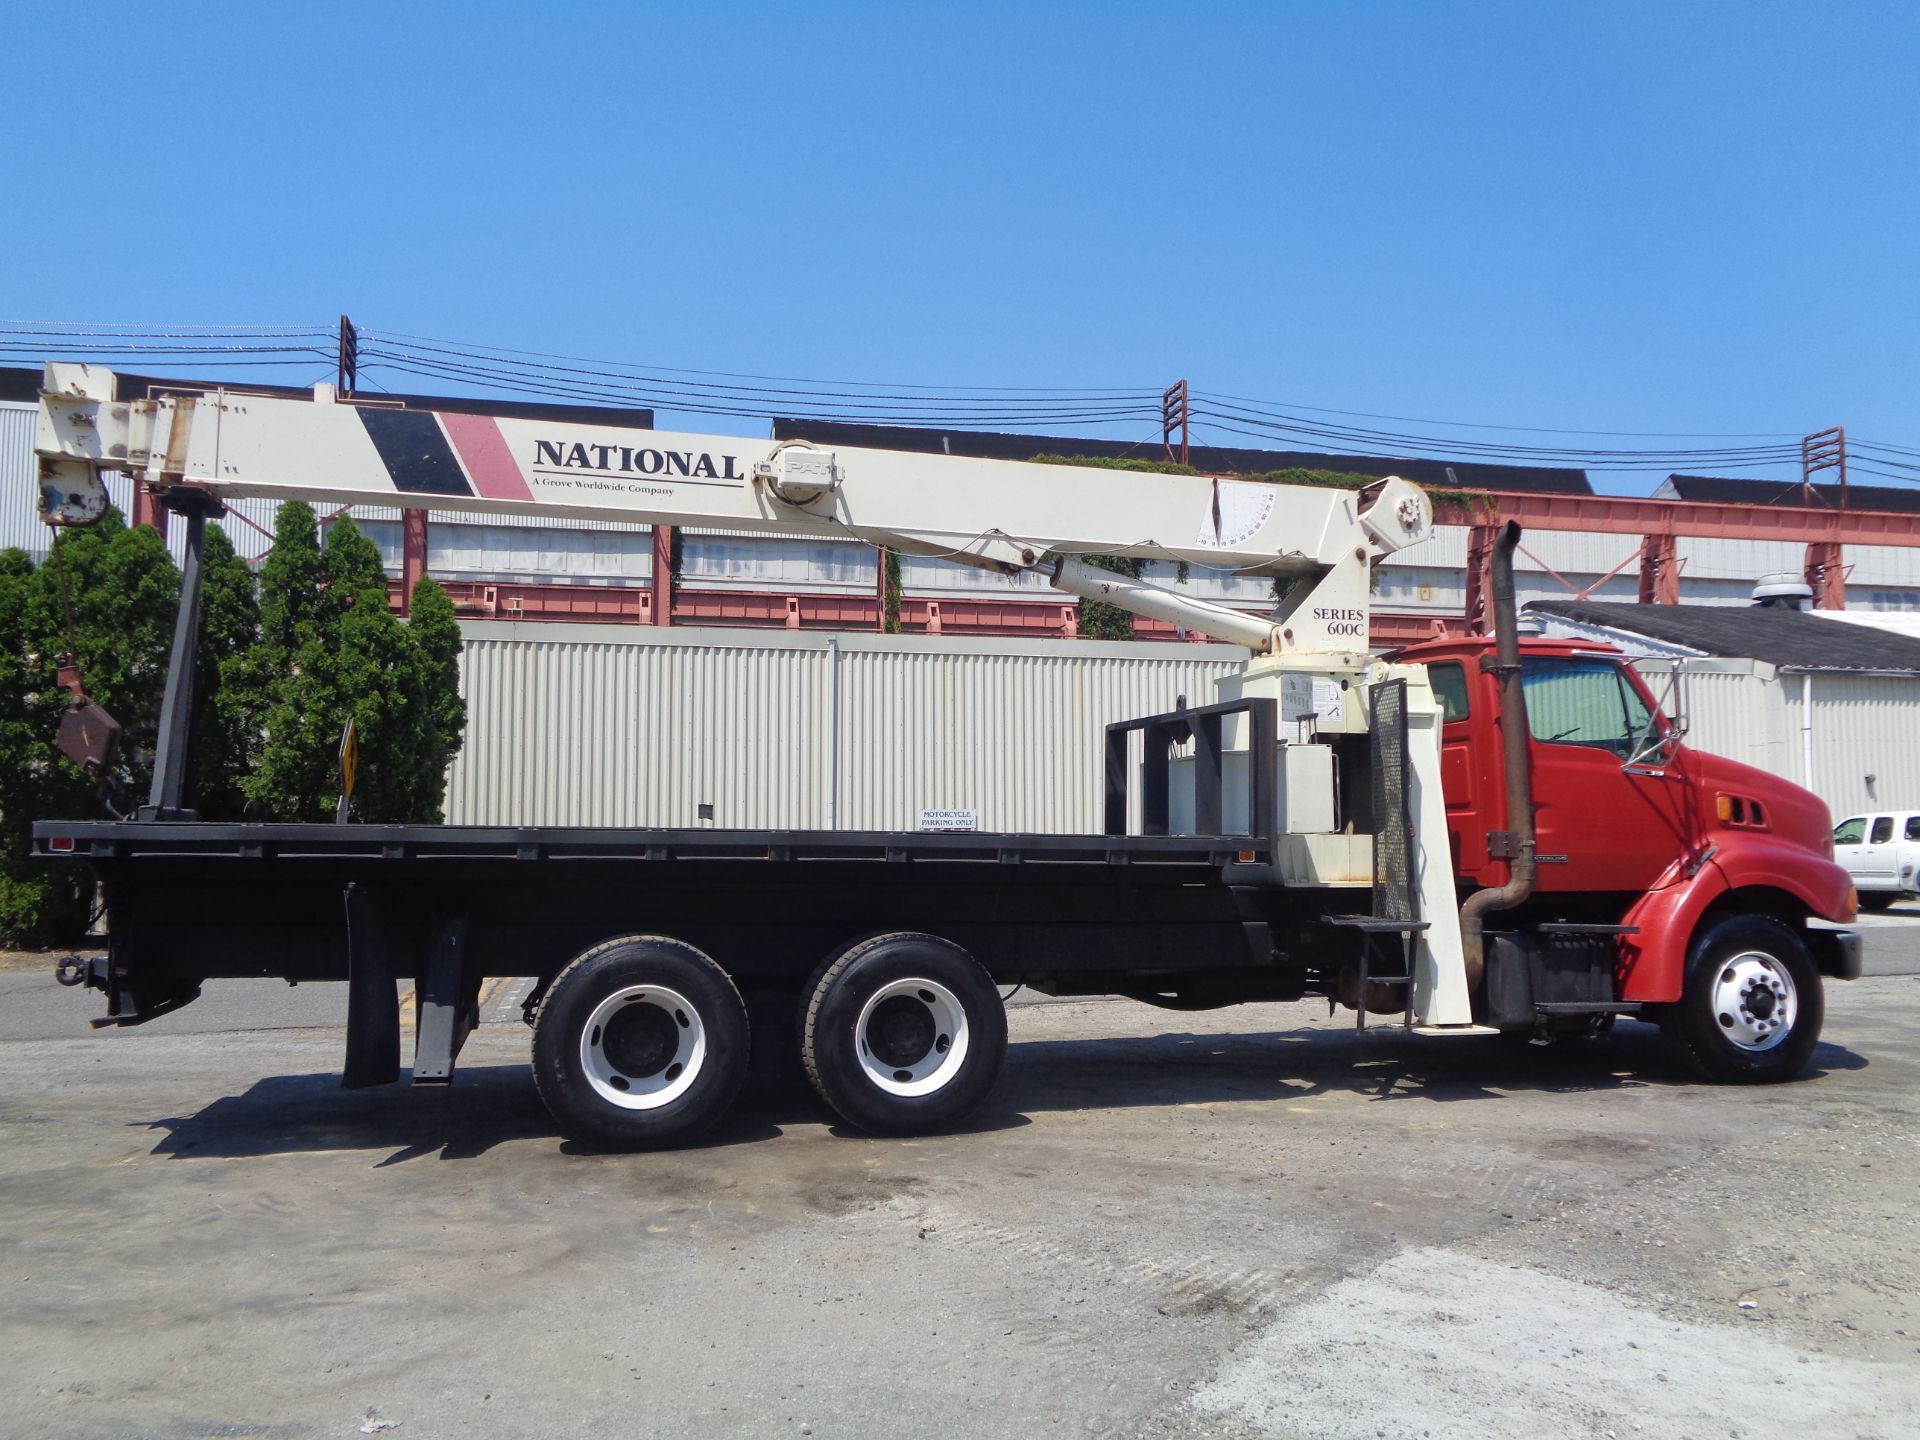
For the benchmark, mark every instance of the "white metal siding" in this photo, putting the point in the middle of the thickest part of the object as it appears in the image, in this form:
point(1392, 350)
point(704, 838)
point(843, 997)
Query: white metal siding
point(567, 727)
point(20, 524)
point(1734, 708)
point(1863, 725)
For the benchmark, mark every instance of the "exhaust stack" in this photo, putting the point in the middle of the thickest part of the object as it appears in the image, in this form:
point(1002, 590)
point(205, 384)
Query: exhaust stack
point(1514, 758)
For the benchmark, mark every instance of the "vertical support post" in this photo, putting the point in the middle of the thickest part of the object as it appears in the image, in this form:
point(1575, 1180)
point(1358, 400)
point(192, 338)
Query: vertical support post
point(1208, 780)
point(1659, 571)
point(347, 371)
point(1480, 537)
point(413, 555)
point(1823, 450)
point(1175, 415)
point(1114, 818)
point(1155, 780)
point(880, 589)
point(1826, 573)
point(448, 999)
point(662, 583)
point(147, 510)
point(175, 743)
point(1263, 772)
point(833, 733)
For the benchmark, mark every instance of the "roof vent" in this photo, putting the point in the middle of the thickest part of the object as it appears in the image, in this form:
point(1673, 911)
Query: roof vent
point(1783, 590)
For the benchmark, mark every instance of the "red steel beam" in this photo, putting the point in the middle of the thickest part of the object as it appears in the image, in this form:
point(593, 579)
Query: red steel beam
point(413, 555)
point(1627, 515)
point(1659, 571)
point(777, 610)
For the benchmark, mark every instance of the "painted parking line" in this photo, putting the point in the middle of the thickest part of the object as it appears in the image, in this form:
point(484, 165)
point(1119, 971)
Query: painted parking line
point(509, 995)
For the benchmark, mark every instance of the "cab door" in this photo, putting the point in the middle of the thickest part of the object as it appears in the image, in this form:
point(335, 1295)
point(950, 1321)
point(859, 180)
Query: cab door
point(1850, 843)
point(1878, 862)
point(1613, 806)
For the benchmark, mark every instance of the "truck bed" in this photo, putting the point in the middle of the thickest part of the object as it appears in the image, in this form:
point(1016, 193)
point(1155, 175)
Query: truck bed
point(190, 900)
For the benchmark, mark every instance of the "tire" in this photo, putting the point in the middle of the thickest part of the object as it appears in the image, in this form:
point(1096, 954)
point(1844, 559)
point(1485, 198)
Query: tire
point(903, 1034)
point(641, 1042)
point(1752, 1006)
point(1877, 899)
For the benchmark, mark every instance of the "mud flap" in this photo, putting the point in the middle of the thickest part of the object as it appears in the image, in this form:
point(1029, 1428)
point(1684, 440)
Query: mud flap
point(373, 1002)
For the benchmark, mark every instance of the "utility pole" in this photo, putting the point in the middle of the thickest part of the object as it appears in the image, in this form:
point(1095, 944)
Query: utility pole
point(1823, 450)
point(1175, 415)
point(348, 370)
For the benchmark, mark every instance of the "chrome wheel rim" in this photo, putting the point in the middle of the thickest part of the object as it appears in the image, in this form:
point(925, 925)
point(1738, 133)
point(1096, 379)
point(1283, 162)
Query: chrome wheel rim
point(1755, 1001)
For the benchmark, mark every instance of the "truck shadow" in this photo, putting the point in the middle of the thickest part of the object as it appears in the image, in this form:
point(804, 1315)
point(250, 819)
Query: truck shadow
point(490, 1105)
point(487, 1105)
point(1383, 1064)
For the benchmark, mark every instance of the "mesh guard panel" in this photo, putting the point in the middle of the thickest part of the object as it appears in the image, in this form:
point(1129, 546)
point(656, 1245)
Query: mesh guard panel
point(1393, 889)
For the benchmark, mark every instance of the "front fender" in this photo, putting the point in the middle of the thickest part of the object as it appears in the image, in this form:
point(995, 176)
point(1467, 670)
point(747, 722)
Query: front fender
point(1653, 963)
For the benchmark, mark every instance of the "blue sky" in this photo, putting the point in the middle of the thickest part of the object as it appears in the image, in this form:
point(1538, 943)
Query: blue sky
point(1669, 217)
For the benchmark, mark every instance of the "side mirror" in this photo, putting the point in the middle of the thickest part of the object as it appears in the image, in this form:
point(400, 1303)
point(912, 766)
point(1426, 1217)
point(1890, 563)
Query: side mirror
point(1655, 745)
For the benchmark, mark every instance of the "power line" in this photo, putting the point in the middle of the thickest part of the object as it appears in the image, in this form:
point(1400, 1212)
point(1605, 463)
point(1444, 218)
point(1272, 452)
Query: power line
point(1523, 429)
point(745, 395)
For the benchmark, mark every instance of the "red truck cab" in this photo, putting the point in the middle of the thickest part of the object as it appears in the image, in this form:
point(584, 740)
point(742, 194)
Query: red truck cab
point(1635, 831)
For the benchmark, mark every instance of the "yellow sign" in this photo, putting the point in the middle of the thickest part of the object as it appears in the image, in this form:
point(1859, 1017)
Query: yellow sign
point(349, 758)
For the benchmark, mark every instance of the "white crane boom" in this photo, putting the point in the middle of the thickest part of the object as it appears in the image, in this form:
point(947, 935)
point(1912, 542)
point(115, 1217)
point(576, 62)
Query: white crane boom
point(996, 514)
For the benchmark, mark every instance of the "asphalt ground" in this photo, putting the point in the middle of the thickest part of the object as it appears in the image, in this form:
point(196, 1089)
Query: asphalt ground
point(1247, 1222)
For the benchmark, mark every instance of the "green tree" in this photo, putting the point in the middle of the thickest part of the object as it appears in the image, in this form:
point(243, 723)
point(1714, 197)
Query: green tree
point(331, 649)
point(436, 630)
point(116, 613)
point(291, 677)
point(227, 722)
point(35, 900)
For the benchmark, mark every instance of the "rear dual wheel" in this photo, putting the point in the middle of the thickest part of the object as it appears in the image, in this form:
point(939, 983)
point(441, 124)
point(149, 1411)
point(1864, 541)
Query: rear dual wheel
point(641, 1042)
point(902, 1034)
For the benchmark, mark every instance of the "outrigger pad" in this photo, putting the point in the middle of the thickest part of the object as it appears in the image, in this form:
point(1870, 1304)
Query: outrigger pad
point(373, 1002)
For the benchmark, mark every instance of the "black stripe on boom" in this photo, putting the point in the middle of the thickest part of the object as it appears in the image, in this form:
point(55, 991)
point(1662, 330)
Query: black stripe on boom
point(415, 451)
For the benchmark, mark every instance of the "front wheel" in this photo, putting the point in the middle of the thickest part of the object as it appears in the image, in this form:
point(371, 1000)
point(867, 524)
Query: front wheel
point(903, 1034)
point(640, 1042)
point(1752, 1006)
point(1877, 899)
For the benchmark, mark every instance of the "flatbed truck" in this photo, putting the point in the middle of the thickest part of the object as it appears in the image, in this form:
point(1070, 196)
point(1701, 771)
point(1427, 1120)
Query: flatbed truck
point(1338, 825)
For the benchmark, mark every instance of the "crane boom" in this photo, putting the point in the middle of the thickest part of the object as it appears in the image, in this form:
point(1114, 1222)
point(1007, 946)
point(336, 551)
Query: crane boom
point(999, 515)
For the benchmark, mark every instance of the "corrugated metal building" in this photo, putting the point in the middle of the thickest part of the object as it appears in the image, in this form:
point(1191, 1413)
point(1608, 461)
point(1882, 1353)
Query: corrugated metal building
point(1831, 706)
point(601, 725)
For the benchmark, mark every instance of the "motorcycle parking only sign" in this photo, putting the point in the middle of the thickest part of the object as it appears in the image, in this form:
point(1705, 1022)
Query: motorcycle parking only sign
point(949, 820)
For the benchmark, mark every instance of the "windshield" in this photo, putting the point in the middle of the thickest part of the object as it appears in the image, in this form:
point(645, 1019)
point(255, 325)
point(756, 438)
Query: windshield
point(1580, 701)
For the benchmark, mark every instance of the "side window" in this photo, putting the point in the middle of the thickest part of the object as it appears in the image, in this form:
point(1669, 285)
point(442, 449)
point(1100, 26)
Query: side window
point(1913, 827)
point(1449, 683)
point(1578, 701)
point(1882, 829)
point(1850, 832)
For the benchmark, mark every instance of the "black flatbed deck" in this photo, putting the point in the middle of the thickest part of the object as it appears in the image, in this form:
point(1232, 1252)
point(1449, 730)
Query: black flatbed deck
point(130, 839)
point(191, 900)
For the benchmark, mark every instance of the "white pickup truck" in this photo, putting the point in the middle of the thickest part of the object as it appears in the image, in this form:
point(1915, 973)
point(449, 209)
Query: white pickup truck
point(1882, 853)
